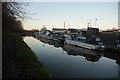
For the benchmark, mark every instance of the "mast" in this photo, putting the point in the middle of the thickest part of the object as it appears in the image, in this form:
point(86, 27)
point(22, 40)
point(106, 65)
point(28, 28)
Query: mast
point(88, 24)
point(64, 24)
point(95, 22)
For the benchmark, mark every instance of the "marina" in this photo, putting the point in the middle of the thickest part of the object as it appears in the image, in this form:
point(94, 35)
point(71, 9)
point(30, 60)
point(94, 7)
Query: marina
point(60, 40)
point(75, 38)
point(74, 62)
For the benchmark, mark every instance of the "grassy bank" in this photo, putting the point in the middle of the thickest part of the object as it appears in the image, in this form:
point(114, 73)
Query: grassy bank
point(28, 62)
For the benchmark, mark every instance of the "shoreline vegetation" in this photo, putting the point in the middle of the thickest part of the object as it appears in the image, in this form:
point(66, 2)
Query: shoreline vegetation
point(28, 63)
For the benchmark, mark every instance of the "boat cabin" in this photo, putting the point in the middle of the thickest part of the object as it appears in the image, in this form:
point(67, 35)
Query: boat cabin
point(56, 35)
point(82, 39)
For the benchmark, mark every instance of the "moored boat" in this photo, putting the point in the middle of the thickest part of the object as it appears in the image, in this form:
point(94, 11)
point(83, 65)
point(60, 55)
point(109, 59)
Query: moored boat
point(84, 42)
point(55, 36)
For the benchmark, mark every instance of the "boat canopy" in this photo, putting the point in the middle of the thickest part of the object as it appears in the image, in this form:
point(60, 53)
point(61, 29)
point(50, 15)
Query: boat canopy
point(81, 37)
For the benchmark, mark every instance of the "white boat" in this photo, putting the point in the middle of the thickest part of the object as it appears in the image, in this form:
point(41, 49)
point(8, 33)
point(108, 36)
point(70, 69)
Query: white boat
point(82, 42)
point(118, 45)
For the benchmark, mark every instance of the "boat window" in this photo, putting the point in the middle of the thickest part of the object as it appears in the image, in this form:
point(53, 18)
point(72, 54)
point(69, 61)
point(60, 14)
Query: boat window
point(97, 39)
point(78, 39)
point(100, 43)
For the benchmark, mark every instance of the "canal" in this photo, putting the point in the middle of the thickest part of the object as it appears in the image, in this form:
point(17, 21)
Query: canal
point(73, 62)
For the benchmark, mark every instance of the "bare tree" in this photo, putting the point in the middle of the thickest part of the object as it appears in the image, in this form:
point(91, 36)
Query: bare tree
point(12, 13)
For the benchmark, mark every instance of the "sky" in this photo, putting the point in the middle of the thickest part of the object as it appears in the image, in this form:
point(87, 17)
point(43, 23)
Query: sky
point(74, 14)
point(119, 15)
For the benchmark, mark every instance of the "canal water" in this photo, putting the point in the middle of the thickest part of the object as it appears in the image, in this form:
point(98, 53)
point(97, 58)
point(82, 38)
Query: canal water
point(72, 62)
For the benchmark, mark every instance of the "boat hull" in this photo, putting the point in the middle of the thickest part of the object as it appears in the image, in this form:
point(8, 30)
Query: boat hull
point(82, 45)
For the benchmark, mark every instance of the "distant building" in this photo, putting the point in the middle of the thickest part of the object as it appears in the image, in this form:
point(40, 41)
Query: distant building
point(92, 31)
point(32, 30)
point(73, 31)
point(60, 30)
point(113, 30)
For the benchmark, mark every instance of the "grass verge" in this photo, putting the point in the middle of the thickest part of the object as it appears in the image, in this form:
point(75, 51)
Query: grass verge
point(28, 63)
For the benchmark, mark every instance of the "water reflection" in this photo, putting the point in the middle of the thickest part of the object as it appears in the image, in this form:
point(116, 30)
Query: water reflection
point(65, 61)
point(88, 54)
point(76, 51)
point(50, 42)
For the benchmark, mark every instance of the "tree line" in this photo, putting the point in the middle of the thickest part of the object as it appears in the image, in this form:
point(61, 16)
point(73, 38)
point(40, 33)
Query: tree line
point(12, 16)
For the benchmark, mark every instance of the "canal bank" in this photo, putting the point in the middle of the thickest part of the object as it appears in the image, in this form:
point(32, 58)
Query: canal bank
point(19, 61)
point(28, 62)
